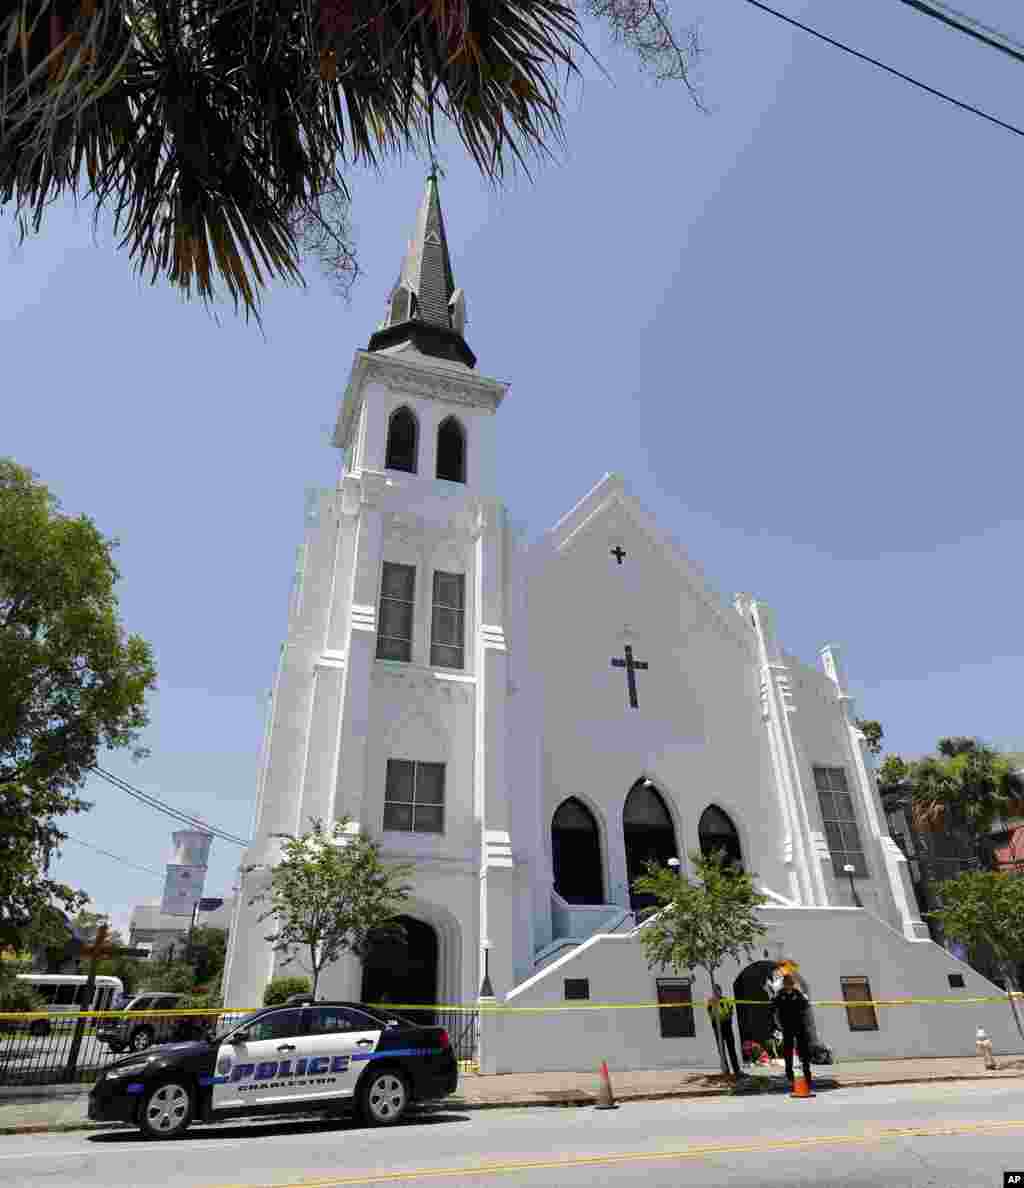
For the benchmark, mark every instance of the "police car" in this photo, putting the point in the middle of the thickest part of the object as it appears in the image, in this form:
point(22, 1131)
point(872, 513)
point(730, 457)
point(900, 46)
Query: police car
point(306, 1056)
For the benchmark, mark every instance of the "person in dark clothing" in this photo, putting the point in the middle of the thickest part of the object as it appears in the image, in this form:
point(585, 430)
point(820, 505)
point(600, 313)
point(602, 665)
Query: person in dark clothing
point(791, 1008)
point(721, 1010)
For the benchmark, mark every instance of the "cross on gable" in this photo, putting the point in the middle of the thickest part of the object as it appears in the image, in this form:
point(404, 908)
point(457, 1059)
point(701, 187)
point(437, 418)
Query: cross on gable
point(618, 553)
point(631, 666)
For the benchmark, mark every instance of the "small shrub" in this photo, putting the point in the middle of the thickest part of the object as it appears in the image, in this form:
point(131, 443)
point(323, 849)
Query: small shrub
point(280, 989)
point(19, 996)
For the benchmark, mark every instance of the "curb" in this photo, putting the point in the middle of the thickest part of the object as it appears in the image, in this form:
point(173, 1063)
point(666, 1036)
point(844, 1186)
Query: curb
point(567, 1102)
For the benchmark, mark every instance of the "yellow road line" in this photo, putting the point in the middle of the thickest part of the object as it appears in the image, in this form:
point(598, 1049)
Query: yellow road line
point(526, 1165)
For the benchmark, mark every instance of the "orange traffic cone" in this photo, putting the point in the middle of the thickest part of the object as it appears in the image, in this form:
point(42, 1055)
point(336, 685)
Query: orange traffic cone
point(801, 1088)
point(605, 1100)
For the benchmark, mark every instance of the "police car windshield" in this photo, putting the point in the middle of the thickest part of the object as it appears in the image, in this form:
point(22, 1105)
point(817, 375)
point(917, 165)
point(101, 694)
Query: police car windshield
point(233, 1025)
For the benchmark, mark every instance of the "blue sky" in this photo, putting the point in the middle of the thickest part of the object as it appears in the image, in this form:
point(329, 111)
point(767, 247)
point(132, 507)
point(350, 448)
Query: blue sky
point(788, 324)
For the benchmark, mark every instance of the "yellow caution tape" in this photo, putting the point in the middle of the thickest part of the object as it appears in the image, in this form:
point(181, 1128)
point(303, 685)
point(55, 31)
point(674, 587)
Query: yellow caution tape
point(496, 1008)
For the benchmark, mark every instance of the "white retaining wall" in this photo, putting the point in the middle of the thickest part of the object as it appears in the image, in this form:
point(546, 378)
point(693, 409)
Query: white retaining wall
point(827, 943)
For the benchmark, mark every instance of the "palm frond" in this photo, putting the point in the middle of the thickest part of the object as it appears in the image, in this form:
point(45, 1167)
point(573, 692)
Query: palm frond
point(213, 123)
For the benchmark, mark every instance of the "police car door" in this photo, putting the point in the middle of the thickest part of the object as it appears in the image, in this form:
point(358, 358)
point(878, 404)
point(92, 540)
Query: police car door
point(340, 1041)
point(260, 1068)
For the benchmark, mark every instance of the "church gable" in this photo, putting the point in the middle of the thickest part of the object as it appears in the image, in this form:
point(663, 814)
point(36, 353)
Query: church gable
point(631, 645)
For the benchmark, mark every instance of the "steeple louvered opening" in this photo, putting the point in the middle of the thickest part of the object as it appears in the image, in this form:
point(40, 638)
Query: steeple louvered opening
point(403, 441)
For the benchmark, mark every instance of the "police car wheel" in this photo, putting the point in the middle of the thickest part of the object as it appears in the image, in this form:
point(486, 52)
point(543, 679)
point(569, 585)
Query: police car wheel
point(384, 1097)
point(141, 1039)
point(166, 1110)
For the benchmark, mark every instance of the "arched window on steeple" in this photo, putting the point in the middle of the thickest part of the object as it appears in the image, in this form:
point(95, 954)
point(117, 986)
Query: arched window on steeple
point(403, 440)
point(401, 305)
point(451, 451)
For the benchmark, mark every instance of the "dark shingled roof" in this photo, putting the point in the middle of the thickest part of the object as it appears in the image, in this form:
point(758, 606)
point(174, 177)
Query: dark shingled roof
point(427, 274)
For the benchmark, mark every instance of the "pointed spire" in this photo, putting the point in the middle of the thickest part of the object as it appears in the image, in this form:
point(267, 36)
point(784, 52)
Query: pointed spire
point(424, 306)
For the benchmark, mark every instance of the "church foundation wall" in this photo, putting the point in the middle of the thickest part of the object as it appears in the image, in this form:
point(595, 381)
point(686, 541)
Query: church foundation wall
point(827, 944)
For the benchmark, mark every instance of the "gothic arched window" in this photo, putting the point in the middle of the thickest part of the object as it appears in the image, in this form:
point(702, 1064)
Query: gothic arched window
point(576, 853)
point(451, 451)
point(649, 837)
point(403, 439)
point(717, 832)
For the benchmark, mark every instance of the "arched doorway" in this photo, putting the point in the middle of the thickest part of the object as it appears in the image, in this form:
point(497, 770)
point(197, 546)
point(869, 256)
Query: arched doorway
point(717, 832)
point(649, 836)
point(756, 1022)
point(403, 970)
point(576, 853)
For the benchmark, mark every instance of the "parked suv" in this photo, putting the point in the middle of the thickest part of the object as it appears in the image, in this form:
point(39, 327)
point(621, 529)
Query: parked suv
point(139, 1034)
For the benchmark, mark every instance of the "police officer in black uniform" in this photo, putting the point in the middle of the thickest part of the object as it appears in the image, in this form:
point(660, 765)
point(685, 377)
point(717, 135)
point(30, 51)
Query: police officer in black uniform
point(791, 1007)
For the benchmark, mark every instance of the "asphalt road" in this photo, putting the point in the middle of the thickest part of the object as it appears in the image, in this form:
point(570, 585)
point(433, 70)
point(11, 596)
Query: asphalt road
point(953, 1135)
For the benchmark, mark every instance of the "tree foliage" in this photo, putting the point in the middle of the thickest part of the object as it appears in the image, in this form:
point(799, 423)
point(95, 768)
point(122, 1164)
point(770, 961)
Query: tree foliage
point(71, 681)
point(987, 908)
point(211, 123)
point(222, 130)
point(699, 923)
point(329, 893)
point(964, 788)
point(207, 953)
point(280, 989)
point(168, 974)
point(873, 734)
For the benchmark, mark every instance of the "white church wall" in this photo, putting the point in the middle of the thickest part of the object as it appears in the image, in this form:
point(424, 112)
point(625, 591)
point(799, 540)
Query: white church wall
point(827, 944)
point(697, 733)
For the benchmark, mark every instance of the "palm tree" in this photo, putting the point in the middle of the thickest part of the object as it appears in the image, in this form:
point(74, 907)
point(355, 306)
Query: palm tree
point(218, 125)
point(963, 790)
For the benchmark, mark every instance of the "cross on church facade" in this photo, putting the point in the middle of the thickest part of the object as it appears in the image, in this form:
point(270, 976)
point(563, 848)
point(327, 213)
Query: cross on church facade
point(618, 553)
point(631, 666)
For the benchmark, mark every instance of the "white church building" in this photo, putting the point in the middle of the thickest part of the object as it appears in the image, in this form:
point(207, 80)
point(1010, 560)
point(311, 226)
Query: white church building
point(529, 725)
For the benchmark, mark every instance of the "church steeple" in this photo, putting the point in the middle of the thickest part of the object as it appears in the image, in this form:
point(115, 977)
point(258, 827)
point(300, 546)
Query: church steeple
point(424, 307)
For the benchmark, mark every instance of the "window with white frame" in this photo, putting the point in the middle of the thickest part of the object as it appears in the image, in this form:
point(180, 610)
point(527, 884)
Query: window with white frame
point(397, 610)
point(840, 823)
point(414, 797)
point(447, 633)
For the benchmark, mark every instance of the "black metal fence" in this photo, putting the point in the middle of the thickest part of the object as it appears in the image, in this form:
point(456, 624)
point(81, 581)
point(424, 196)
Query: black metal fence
point(74, 1048)
point(463, 1029)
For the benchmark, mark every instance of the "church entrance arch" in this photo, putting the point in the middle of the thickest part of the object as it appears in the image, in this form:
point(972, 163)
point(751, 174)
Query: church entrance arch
point(756, 1022)
point(648, 834)
point(717, 832)
point(576, 853)
point(403, 969)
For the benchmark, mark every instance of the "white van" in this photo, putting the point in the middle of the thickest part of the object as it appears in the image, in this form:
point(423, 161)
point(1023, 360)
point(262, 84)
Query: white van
point(64, 995)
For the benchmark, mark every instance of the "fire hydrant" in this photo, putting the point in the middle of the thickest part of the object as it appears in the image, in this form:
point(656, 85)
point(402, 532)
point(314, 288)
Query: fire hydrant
point(984, 1046)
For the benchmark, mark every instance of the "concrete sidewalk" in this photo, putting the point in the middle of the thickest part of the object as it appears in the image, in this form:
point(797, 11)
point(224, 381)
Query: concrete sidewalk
point(62, 1108)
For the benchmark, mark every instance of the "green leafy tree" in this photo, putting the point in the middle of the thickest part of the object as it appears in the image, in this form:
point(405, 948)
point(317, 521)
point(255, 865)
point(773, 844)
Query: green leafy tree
point(209, 947)
point(893, 774)
point(71, 681)
point(873, 734)
point(176, 977)
point(987, 908)
point(329, 893)
point(698, 924)
point(280, 989)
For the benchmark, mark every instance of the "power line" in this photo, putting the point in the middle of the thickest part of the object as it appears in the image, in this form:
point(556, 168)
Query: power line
point(888, 69)
point(967, 24)
point(117, 857)
point(168, 810)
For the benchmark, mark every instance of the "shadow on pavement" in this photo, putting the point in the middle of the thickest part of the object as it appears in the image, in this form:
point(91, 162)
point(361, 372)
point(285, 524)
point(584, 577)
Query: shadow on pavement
point(260, 1128)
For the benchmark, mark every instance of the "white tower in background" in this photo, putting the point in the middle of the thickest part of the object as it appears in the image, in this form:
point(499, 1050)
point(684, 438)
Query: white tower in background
point(186, 872)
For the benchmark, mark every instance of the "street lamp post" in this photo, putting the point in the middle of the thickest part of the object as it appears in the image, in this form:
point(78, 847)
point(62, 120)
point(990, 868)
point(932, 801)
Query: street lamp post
point(486, 989)
point(849, 868)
